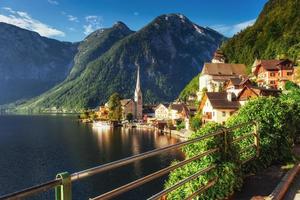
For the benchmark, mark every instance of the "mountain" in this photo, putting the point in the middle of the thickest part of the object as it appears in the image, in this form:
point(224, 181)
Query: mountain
point(95, 45)
point(276, 33)
point(31, 64)
point(169, 51)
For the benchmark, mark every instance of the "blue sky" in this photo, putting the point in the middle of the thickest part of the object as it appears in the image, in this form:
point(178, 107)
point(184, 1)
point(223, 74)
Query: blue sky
point(72, 20)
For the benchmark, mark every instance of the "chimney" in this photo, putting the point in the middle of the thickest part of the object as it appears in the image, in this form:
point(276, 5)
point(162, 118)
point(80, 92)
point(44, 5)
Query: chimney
point(229, 96)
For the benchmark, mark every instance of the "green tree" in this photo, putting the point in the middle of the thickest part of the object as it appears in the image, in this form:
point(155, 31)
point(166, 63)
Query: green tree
point(129, 117)
point(196, 122)
point(115, 107)
point(289, 85)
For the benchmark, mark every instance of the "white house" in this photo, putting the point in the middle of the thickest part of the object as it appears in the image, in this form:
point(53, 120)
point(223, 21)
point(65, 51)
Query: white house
point(214, 75)
point(162, 112)
point(178, 111)
point(218, 106)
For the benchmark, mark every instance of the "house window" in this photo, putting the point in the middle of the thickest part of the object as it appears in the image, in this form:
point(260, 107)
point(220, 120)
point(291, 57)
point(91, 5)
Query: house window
point(272, 74)
point(289, 73)
point(272, 82)
point(224, 114)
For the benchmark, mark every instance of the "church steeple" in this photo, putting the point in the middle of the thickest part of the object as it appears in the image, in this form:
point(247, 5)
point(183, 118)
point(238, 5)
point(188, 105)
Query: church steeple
point(138, 86)
point(138, 97)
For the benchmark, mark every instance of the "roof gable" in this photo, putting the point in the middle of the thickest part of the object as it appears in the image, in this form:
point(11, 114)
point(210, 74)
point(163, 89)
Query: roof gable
point(164, 106)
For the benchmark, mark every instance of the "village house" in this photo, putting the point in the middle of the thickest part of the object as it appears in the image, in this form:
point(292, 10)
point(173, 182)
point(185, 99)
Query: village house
point(218, 57)
point(236, 85)
point(249, 92)
point(215, 74)
point(178, 111)
point(102, 112)
point(273, 73)
point(218, 106)
point(162, 112)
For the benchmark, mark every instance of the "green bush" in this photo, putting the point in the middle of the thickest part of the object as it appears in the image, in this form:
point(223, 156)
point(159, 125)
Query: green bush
point(289, 85)
point(227, 170)
point(180, 126)
point(196, 122)
point(276, 128)
point(292, 99)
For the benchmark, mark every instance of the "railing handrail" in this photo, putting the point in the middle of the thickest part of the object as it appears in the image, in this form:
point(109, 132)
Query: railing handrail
point(115, 164)
point(33, 190)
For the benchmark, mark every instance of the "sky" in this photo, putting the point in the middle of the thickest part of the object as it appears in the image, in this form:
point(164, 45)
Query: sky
point(73, 20)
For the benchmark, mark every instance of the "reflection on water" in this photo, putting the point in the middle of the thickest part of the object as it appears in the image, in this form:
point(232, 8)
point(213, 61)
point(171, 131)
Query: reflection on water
point(33, 149)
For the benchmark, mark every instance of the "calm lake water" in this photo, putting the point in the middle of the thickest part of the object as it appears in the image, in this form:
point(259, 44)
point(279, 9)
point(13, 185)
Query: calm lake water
point(33, 149)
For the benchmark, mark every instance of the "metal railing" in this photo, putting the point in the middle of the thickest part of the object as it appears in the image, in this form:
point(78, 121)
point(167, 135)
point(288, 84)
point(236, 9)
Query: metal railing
point(62, 183)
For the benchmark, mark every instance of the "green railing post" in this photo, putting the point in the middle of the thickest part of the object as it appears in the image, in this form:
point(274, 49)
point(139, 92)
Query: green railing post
point(64, 191)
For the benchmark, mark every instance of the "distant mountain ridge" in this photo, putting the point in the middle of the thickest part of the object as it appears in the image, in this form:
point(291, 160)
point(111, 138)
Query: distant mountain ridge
point(170, 51)
point(31, 64)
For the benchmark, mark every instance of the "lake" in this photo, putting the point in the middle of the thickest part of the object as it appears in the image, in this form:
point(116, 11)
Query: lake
point(33, 149)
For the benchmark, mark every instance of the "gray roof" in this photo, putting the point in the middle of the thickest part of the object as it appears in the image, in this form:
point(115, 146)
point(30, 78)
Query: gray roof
point(219, 100)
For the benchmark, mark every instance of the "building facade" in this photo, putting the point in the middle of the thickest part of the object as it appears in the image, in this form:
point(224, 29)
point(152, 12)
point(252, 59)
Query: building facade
point(162, 112)
point(273, 73)
point(214, 75)
point(218, 106)
point(128, 106)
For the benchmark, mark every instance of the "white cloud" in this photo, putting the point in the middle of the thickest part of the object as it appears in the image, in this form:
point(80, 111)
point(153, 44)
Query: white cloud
point(230, 30)
point(72, 18)
point(136, 13)
point(8, 9)
point(24, 20)
point(53, 2)
point(93, 23)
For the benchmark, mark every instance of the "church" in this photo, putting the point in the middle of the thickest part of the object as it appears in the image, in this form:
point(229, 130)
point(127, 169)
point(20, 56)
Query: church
point(135, 105)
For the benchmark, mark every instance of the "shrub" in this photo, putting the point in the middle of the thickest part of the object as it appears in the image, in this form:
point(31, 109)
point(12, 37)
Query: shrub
point(227, 170)
point(196, 122)
point(275, 123)
point(289, 85)
point(180, 126)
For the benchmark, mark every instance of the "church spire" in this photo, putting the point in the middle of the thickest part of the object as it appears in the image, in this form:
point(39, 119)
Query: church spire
point(138, 86)
point(138, 97)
